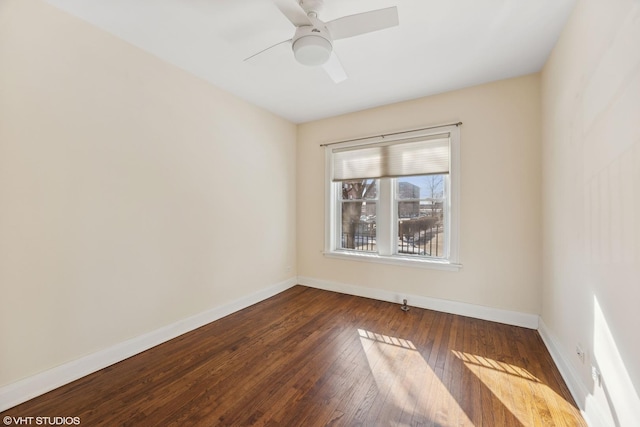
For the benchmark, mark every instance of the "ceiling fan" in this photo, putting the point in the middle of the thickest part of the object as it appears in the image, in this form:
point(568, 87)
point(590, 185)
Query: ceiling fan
point(312, 43)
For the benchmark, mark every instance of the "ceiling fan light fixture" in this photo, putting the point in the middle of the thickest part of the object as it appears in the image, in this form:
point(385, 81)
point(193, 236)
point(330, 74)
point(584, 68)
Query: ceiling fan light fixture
point(312, 50)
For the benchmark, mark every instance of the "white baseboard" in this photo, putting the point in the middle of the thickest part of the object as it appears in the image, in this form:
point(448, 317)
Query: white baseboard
point(592, 414)
point(453, 307)
point(28, 388)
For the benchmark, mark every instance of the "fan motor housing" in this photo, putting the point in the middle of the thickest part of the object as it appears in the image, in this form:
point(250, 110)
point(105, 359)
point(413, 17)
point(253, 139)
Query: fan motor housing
point(312, 45)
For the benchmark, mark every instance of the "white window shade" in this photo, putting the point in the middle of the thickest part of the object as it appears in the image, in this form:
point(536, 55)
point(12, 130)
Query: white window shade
point(415, 156)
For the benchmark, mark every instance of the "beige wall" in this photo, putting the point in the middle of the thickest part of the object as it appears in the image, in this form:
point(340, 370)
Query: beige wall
point(500, 196)
point(132, 194)
point(129, 191)
point(591, 145)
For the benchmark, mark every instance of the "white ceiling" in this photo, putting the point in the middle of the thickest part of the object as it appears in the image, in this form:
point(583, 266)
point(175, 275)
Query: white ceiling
point(440, 45)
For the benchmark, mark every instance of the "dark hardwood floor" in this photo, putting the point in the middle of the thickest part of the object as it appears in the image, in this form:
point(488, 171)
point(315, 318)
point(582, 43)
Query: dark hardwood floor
point(308, 357)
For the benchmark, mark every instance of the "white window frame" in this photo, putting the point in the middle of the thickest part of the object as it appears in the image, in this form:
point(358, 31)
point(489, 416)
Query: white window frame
point(386, 206)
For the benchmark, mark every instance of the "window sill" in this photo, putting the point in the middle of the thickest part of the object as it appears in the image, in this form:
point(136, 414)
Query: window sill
point(394, 260)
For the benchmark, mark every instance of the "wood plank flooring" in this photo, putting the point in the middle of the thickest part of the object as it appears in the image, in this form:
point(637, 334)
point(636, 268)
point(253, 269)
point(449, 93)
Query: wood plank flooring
point(308, 357)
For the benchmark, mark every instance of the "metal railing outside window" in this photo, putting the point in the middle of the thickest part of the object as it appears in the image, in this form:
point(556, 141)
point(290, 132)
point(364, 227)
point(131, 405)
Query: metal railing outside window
point(364, 238)
point(421, 240)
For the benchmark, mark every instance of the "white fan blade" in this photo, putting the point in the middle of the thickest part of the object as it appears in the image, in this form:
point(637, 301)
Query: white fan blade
point(293, 11)
point(333, 67)
point(361, 23)
point(264, 50)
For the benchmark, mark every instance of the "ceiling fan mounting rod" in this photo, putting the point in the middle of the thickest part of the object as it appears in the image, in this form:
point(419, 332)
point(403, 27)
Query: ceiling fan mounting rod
point(312, 7)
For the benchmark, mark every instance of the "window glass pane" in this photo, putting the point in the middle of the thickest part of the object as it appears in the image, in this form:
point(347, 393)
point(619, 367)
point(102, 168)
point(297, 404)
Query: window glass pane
point(420, 187)
point(420, 211)
point(358, 226)
point(361, 189)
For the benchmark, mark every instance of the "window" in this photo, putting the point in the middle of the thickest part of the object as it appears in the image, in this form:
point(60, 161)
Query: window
point(395, 199)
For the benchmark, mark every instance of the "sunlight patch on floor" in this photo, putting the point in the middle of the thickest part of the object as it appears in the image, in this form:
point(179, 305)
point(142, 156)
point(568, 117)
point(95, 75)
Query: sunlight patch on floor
point(414, 387)
point(514, 386)
point(499, 367)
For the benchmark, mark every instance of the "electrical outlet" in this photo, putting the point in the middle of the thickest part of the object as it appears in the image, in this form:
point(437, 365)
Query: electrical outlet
point(580, 353)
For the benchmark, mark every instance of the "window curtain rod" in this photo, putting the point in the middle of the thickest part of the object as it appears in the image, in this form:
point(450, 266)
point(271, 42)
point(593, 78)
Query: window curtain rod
point(390, 134)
